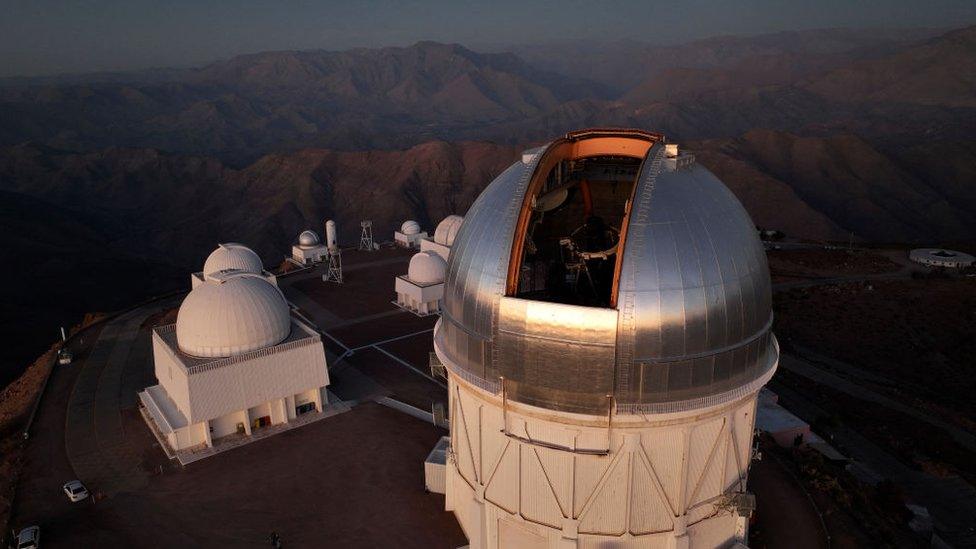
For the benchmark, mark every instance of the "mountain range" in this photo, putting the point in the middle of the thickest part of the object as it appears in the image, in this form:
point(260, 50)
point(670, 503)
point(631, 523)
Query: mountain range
point(134, 177)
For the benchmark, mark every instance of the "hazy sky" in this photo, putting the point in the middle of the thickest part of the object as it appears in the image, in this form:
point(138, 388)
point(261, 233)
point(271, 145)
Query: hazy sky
point(49, 36)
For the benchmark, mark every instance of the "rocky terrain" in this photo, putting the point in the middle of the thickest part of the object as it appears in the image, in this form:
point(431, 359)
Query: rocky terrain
point(114, 186)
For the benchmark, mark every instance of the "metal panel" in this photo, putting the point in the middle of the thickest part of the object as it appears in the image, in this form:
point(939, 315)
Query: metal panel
point(556, 356)
point(694, 302)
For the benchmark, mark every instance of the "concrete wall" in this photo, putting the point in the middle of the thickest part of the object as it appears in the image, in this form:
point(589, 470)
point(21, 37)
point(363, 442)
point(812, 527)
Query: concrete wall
point(171, 375)
point(661, 484)
point(247, 383)
point(189, 436)
point(227, 424)
point(421, 299)
point(408, 240)
point(439, 249)
point(309, 255)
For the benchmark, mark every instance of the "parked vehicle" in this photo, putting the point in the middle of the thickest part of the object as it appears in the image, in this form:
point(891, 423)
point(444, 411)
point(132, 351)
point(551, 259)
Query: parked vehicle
point(75, 491)
point(29, 538)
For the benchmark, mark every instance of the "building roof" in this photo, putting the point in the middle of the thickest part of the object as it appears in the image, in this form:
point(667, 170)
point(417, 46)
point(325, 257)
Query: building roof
point(941, 256)
point(232, 315)
point(426, 268)
point(447, 230)
point(690, 323)
point(232, 256)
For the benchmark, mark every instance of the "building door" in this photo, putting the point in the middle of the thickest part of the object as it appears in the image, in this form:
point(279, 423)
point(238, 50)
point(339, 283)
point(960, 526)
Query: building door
point(303, 408)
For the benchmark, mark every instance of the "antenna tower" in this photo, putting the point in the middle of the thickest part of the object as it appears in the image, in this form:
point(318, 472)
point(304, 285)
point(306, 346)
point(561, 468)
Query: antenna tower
point(366, 240)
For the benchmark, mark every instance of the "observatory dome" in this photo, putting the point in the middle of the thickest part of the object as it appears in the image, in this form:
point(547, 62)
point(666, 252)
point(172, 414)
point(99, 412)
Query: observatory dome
point(426, 268)
point(410, 227)
point(308, 239)
point(232, 316)
point(232, 256)
point(447, 230)
point(685, 316)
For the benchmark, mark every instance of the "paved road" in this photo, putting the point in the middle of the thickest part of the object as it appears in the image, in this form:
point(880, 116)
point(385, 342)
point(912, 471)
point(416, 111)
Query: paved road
point(103, 401)
point(823, 377)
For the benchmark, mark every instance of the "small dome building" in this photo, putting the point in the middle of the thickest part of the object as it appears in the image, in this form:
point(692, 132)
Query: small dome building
point(444, 236)
point(309, 249)
point(234, 361)
point(231, 257)
point(308, 239)
point(409, 235)
point(422, 289)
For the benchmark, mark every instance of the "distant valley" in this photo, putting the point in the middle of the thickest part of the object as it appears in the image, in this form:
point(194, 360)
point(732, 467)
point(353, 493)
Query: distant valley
point(133, 178)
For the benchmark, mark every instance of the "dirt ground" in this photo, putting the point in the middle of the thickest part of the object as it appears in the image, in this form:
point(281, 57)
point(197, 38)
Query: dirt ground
point(920, 335)
point(384, 328)
point(361, 486)
point(366, 289)
point(404, 385)
point(913, 442)
point(788, 265)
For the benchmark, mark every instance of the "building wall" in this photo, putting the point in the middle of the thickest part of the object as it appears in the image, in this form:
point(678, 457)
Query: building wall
point(227, 424)
point(408, 240)
point(424, 299)
point(663, 481)
point(171, 375)
point(189, 436)
point(306, 255)
point(251, 382)
point(439, 249)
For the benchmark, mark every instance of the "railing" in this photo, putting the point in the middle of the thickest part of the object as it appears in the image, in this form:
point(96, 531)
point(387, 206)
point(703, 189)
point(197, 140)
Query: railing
point(162, 331)
point(253, 355)
point(149, 402)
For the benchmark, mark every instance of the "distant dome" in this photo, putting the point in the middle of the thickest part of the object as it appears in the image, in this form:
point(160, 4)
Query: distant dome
point(308, 238)
point(237, 315)
point(447, 230)
point(410, 227)
point(232, 256)
point(427, 268)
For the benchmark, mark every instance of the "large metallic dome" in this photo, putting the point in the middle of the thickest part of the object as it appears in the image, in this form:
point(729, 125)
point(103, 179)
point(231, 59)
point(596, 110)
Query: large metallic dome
point(232, 256)
point(232, 315)
point(680, 311)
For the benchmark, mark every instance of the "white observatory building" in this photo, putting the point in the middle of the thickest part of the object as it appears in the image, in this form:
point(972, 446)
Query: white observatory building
point(422, 289)
point(234, 362)
point(444, 236)
point(231, 257)
point(939, 257)
point(605, 331)
point(409, 235)
point(309, 249)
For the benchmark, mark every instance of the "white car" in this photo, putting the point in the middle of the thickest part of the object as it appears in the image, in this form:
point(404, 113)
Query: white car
point(29, 538)
point(75, 491)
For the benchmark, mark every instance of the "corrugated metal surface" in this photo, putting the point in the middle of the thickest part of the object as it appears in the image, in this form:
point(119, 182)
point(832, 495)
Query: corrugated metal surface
point(551, 349)
point(693, 308)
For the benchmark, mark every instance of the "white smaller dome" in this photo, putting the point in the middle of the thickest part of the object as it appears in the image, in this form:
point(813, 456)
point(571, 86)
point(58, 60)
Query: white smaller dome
point(308, 238)
point(427, 268)
point(232, 316)
point(232, 256)
point(410, 227)
point(447, 230)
